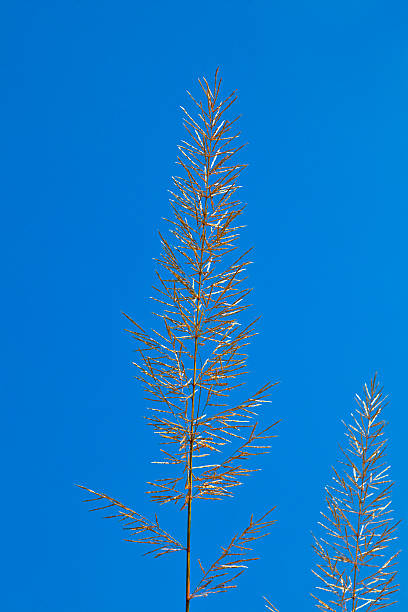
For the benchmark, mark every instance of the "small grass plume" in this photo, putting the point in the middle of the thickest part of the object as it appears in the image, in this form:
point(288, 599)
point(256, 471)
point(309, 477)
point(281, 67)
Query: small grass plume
point(355, 569)
point(192, 363)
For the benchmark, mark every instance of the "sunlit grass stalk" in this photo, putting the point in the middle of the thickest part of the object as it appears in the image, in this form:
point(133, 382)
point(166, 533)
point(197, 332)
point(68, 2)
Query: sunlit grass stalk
point(356, 565)
point(192, 364)
point(355, 569)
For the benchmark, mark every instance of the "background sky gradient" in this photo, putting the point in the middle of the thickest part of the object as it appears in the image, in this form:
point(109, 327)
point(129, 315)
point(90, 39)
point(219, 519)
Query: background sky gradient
point(91, 123)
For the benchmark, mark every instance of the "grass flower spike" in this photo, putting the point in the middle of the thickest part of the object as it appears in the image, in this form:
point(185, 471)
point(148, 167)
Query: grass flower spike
point(192, 362)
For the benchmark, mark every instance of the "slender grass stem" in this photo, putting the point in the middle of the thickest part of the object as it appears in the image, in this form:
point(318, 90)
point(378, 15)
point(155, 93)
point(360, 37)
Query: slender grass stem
point(191, 448)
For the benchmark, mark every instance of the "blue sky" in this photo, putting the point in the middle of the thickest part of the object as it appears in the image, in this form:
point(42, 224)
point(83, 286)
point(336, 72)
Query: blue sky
point(91, 123)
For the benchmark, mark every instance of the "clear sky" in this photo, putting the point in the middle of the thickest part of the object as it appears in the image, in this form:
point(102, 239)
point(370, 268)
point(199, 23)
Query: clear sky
point(90, 127)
